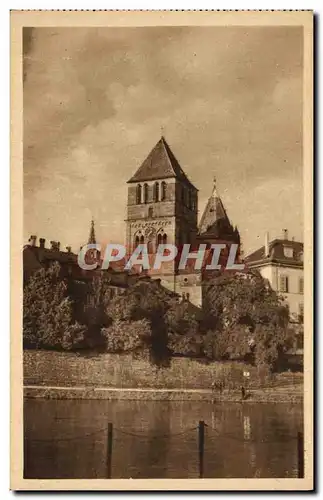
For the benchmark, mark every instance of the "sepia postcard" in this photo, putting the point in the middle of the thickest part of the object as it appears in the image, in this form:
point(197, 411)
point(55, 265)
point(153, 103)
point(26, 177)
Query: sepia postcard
point(162, 250)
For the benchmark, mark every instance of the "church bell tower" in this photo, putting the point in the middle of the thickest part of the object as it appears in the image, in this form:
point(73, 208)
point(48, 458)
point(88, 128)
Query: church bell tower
point(161, 206)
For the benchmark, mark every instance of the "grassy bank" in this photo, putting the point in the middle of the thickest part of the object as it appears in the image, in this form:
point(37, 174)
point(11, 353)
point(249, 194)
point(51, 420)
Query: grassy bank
point(94, 374)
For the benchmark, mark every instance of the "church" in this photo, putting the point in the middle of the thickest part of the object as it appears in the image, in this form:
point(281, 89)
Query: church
point(162, 207)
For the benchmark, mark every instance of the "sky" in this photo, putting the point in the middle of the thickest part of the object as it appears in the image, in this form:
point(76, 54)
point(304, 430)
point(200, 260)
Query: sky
point(96, 100)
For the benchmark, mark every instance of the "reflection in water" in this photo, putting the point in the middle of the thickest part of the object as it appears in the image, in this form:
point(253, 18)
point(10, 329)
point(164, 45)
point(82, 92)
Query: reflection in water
point(67, 439)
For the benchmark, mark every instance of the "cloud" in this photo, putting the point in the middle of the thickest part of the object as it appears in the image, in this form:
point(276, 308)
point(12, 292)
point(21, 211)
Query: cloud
point(229, 99)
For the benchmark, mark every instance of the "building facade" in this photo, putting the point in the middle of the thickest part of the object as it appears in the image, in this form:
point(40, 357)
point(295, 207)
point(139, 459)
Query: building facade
point(280, 261)
point(162, 207)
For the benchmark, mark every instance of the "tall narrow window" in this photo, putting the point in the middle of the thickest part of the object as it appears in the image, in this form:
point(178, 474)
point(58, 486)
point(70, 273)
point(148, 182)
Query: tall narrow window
point(145, 193)
point(150, 212)
point(301, 285)
point(190, 199)
point(159, 239)
point(138, 194)
point(156, 191)
point(301, 312)
point(136, 242)
point(142, 240)
point(163, 191)
point(150, 247)
point(283, 284)
point(164, 239)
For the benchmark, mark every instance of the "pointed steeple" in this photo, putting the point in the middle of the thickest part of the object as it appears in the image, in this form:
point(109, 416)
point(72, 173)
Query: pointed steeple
point(214, 221)
point(160, 164)
point(92, 238)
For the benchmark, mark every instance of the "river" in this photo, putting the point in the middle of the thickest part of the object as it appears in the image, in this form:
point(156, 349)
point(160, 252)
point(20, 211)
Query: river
point(158, 439)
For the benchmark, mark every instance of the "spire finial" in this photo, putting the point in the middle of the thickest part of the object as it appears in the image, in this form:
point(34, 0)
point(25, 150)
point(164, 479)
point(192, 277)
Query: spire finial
point(162, 130)
point(214, 185)
point(92, 238)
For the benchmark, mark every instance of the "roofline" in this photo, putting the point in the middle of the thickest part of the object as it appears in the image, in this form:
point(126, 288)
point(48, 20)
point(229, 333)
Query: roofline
point(274, 262)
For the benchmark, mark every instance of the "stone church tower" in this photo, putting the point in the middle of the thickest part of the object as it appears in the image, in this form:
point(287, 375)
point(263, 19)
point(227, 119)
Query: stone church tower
point(161, 206)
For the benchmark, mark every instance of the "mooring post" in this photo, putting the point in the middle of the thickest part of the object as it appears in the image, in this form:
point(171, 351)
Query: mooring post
point(201, 447)
point(300, 454)
point(109, 450)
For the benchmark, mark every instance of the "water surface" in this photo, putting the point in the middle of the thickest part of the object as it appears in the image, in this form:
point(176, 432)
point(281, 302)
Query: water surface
point(158, 439)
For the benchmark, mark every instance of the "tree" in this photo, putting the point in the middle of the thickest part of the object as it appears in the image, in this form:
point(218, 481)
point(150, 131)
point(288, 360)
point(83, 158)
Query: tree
point(144, 300)
point(247, 318)
point(128, 336)
point(182, 320)
point(48, 320)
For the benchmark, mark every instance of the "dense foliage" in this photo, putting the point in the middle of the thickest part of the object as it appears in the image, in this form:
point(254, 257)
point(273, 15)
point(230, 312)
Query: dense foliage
point(48, 320)
point(242, 318)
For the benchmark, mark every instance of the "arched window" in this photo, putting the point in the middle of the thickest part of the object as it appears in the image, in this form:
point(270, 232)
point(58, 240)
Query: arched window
point(150, 247)
point(164, 239)
point(159, 239)
point(156, 191)
point(138, 194)
point(145, 193)
point(136, 242)
point(142, 240)
point(163, 191)
point(150, 212)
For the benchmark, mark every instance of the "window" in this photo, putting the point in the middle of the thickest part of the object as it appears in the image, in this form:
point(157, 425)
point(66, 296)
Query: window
point(301, 312)
point(301, 285)
point(283, 284)
point(145, 193)
point(138, 194)
point(288, 252)
point(163, 191)
point(136, 242)
point(156, 191)
point(142, 240)
point(190, 199)
point(150, 212)
point(161, 239)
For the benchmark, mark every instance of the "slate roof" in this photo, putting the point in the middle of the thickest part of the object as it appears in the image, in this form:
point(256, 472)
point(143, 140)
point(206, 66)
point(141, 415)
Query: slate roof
point(160, 164)
point(276, 254)
point(215, 221)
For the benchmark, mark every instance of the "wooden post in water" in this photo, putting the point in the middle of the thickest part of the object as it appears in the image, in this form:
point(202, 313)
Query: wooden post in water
point(300, 454)
point(109, 450)
point(201, 447)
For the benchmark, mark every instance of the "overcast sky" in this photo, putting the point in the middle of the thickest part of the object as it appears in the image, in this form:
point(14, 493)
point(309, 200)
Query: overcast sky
point(229, 101)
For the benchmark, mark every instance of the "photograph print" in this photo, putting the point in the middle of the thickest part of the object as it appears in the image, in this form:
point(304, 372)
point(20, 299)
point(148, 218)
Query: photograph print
point(162, 257)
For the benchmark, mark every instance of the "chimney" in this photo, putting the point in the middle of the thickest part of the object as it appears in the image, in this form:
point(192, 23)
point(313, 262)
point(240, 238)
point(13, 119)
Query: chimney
point(55, 245)
point(42, 242)
point(32, 240)
point(285, 234)
point(266, 244)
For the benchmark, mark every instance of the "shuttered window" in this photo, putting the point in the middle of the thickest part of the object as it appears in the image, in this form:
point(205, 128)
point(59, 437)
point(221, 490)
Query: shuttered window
point(283, 285)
